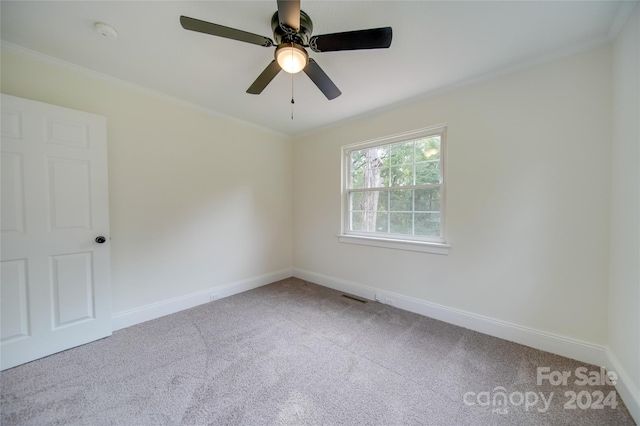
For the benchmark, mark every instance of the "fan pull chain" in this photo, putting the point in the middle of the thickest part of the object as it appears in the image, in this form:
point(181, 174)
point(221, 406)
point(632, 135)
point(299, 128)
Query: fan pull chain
point(292, 101)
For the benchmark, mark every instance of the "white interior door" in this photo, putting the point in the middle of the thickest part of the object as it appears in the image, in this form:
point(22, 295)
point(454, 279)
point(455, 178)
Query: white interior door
point(56, 290)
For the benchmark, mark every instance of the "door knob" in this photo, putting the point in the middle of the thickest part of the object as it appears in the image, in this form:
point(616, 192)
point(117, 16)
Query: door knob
point(100, 239)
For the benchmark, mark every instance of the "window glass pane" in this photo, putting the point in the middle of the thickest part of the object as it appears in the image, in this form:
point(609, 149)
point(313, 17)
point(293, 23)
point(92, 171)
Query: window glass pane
point(355, 220)
point(355, 201)
point(427, 200)
point(402, 153)
point(374, 178)
point(428, 149)
point(357, 178)
point(357, 168)
point(368, 167)
point(368, 221)
point(368, 201)
point(428, 172)
point(382, 222)
point(384, 175)
point(378, 156)
point(401, 223)
point(401, 200)
point(402, 175)
point(427, 224)
point(382, 201)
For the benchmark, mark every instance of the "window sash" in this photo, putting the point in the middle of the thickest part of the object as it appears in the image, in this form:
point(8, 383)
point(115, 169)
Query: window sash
point(388, 214)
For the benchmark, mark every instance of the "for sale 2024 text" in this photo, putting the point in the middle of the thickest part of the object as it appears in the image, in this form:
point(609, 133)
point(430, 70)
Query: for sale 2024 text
point(582, 376)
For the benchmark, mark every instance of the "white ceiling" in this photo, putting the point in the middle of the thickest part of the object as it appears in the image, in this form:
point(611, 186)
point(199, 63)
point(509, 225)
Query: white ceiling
point(436, 44)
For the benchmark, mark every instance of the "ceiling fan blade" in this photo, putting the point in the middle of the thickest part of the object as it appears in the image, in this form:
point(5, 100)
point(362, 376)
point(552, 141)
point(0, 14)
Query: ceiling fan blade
point(375, 38)
point(322, 80)
point(265, 78)
point(289, 13)
point(222, 31)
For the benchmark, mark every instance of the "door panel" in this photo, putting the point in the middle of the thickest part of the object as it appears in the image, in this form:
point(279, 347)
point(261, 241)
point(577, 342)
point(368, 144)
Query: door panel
point(72, 288)
point(71, 134)
point(12, 193)
point(15, 314)
point(56, 290)
point(11, 123)
point(69, 194)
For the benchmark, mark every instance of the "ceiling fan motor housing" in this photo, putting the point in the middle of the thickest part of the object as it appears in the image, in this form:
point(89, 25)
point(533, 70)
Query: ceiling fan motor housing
point(284, 34)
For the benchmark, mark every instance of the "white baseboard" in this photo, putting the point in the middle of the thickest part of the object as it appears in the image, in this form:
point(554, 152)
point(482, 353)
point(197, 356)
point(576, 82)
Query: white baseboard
point(627, 389)
point(166, 307)
point(548, 342)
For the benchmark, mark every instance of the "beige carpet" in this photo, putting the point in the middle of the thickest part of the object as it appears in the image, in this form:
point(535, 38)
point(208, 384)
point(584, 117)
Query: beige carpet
point(297, 353)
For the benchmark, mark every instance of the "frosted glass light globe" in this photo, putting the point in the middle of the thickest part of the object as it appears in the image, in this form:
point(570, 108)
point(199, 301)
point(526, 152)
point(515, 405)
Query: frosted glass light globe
point(292, 58)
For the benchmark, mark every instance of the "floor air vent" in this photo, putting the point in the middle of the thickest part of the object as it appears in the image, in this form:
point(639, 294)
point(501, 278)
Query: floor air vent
point(356, 298)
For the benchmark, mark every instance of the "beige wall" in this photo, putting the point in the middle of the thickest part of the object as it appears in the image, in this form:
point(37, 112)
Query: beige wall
point(624, 291)
point(527, 200)
point(196, 201)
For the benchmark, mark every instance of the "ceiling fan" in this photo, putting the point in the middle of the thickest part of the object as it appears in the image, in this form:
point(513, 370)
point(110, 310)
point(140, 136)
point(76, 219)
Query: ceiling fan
point(292, 29)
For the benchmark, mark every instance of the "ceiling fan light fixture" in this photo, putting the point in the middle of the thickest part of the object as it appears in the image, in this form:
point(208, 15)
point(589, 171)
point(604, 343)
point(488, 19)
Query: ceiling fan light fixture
point(291, 57)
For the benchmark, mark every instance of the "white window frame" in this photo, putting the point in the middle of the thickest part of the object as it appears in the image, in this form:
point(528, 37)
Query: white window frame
point(395, 241)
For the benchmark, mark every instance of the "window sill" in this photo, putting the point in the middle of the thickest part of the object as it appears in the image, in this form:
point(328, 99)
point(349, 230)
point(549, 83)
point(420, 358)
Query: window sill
point(420, 246)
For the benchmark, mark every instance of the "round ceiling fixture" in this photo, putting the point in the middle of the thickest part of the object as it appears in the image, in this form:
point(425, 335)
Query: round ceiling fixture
point(105, 30)
point(291, 57)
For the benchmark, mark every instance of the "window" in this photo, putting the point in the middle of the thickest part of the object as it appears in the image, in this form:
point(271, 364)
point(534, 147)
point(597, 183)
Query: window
point(394, 191)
